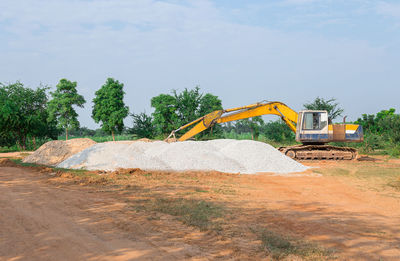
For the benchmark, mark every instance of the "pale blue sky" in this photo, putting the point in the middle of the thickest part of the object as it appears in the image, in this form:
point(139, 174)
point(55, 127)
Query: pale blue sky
point(243, 51)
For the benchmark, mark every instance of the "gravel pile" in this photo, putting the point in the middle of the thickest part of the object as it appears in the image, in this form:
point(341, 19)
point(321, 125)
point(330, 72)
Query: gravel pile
point(230, 156)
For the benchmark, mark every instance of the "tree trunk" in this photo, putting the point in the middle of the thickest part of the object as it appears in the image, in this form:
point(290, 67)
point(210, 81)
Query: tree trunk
point(24, 143)
point(66, 134)
point(112, 132)
point(34, 142)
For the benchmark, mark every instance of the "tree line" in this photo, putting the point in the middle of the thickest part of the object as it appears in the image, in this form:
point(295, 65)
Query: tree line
point(38, 115)
point(32, 114)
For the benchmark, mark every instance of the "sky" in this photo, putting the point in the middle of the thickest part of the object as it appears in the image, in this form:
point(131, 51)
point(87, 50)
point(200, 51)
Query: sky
point(243, 51)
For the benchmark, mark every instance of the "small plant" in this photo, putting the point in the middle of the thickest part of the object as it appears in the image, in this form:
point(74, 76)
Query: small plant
point(395, 184)
point(279, 247)
point(197, 213)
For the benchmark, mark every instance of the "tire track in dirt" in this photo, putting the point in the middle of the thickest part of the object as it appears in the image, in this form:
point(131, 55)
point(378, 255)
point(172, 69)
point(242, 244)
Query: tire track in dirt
point(42, 222)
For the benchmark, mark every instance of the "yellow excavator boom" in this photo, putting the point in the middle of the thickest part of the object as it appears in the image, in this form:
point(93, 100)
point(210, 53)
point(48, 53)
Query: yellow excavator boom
point(280, 109)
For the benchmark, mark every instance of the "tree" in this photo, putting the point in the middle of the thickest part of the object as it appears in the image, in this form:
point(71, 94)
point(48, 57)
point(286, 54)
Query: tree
point(23, 114)
point(373, 123)
point(278, 131)
point(143, 126)
point(330, 106)
point(61, 107)
point(173, 111)
point(164, 115)
point(188, 104)
point(252, 125)
point(109, 107)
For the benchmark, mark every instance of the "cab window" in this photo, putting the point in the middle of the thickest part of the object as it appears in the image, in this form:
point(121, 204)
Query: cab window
point(314, 121)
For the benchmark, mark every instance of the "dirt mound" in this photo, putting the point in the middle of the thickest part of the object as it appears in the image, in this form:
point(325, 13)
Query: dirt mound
point(145, 140)
point(54, 152)
point(7, 163)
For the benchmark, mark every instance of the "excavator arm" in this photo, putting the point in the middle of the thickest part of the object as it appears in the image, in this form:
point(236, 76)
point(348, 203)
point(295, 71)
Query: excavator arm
point(288, 115)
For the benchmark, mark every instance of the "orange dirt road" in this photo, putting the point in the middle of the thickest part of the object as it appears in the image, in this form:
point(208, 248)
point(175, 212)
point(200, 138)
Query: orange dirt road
point(39, 221)
point(42, 218)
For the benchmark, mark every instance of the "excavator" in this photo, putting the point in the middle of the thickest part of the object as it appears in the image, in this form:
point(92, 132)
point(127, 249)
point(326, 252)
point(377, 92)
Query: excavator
point(313, 129)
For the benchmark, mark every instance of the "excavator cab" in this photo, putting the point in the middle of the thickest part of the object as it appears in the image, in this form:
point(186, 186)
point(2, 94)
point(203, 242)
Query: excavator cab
point(312, 127)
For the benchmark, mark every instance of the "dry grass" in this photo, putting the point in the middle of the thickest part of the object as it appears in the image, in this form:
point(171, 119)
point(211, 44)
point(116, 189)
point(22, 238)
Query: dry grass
point(378, 176)
point(198, 213)
point(280, 247)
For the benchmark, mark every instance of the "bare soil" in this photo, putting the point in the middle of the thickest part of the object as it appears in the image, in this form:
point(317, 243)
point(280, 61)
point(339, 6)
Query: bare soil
point(347, 207)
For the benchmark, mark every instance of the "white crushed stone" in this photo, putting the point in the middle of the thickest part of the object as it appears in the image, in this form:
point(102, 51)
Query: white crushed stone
point(224, 155)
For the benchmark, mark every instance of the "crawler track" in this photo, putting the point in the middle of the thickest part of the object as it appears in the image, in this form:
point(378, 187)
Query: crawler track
point(319, 152)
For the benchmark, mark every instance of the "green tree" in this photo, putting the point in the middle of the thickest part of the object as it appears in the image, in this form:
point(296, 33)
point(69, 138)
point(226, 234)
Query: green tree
point(373, 123)
point(143, 126)
point(173, 111)
point(209, 103)
point(331, 106)
point(61, 107)
point(278, 131)
point(164, 115)
point(23, 114)
point(187, 104)
point(109, 107)
point(381, 131)
point(252, 125)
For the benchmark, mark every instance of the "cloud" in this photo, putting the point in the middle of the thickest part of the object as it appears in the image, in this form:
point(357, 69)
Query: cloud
point(300, 2)
point(155, 46)
point(389, 9)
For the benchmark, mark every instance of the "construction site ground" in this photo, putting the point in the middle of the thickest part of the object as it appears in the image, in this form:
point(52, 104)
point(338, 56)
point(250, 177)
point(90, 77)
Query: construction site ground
point(342, 210)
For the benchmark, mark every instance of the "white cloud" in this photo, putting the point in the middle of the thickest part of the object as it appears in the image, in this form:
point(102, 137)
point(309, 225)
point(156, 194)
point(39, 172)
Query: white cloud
point(301, 2)
point(154, 46)
point(389, 9)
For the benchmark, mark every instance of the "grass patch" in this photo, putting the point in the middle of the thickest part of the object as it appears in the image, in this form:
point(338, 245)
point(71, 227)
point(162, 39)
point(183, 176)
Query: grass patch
point(395, 184)
point(280, 247)
point(9, 149)
point(224, 191)
point(100, 139)
point(192, 212)
point(201, 190)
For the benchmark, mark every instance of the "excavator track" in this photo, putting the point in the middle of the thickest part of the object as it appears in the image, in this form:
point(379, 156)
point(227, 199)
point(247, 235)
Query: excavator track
point(319, 152)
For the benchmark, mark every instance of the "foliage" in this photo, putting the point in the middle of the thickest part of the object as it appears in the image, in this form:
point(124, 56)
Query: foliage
point(278, 131)
point(82, 132)
point(173, 111)
point(109, 107)
point(143, 126)
point(103, 138)
point(331, 106)
point(61, 106)
point(373, 123)
point(250, 125)
point(382, 131)
point(23, 115)
point(256, 128)
point(165, 116)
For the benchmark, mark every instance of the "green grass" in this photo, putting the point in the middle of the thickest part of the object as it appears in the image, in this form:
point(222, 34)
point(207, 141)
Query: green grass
point(262, 138)
point(101, 138)
point(197, 213)
point(280, 247)
point(13, 148)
